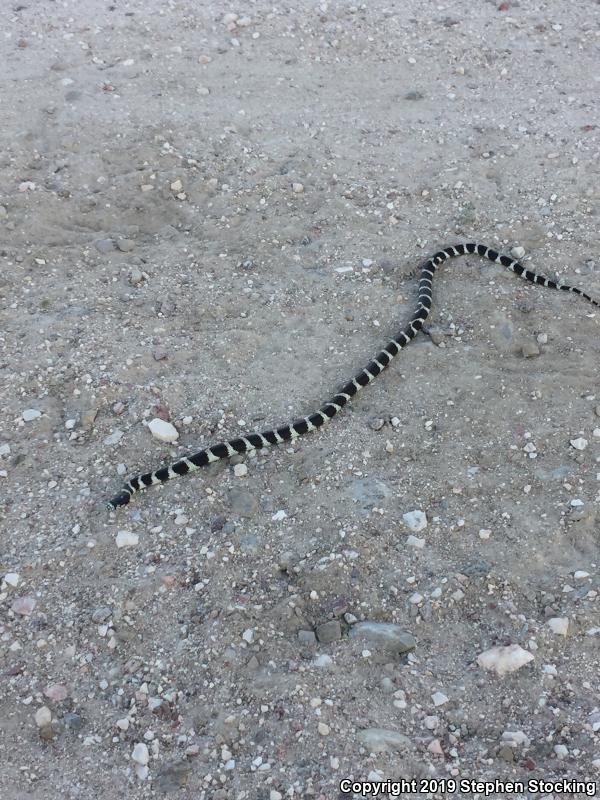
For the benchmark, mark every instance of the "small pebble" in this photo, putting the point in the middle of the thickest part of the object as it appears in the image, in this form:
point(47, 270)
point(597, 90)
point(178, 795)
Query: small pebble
point(517, 252)
point(114, 438)
point(163, 430)
point(12, 578)
point(298, 188)
point(43, 717)
point(561, 751)
point(323, 729)
point(414, 541)
point(30, 414)
point(329, 631)
point(542, 338)
point(136, 276)
point(439, 699)
point(23, 606)
point(125, 245)
point(377, 424)
point(57, 692)
point(559, 625)
point(126, 539)
point(580, 443)
point(530, 350)
point(415, 520)
point(140, 754)
point(240, 470)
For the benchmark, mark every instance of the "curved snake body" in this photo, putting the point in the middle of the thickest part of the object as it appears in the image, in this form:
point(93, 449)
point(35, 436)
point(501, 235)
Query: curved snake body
point(312, 422)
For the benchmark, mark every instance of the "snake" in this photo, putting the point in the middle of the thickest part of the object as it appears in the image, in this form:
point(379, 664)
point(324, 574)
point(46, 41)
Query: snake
point(314, 421)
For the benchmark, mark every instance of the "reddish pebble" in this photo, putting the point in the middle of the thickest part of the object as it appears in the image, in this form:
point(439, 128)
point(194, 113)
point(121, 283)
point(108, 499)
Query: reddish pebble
point(159, 354)
point(23, 606)
point(56, 691)
point(503, 7)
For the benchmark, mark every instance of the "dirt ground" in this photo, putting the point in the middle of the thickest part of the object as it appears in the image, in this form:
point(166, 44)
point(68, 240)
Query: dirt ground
point(213, 215)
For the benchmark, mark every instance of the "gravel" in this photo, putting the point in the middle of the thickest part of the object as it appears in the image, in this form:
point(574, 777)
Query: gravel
point(264, 633)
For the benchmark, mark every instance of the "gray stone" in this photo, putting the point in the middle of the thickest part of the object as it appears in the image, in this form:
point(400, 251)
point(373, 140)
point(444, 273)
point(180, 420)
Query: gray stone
point(101, 614)
point(530, 350)
point(329, 631)
point(104, 245)
point(379, 740)
point(125, 245)
point(387, 635)
point(73, 721)
point(307, 637)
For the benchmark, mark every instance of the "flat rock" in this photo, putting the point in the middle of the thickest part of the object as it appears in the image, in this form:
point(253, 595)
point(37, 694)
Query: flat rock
point(415, 520)
point(389, 636)
point(380, 740)
point(504, 659)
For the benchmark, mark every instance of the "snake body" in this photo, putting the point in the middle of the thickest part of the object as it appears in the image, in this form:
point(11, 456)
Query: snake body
point(312, 422)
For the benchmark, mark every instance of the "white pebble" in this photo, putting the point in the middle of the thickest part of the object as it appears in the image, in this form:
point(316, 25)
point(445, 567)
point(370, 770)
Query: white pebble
point(504, 659)
point(248, 635)
point(515, 739)
point(561, 751)
point(415, 520)
point(414, 541)
point(559, 625)
point(517, 252)
point(123, 724)
point(12, 578)
point(43, 717)
point(484, 533)
point(542, 338)
point(240, 470)
point(298, 187)
point(30, 414)
point(163, 431)
point(323, 729)
point(596, 432)
point(278, 516)
point(579, 575)
point(114, 438)
point(4, 449)
point(140, 754)
point(126, 539)
point(439, 698)
point(580, 443)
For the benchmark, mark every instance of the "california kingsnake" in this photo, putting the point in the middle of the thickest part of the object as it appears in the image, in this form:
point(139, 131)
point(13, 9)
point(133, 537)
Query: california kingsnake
point(286, 433)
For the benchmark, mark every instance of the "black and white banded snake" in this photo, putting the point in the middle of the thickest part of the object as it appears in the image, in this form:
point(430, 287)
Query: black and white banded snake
point(255, 441)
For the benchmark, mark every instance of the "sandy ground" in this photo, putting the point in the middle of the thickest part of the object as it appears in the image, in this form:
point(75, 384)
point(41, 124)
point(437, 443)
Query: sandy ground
point(217, 220)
